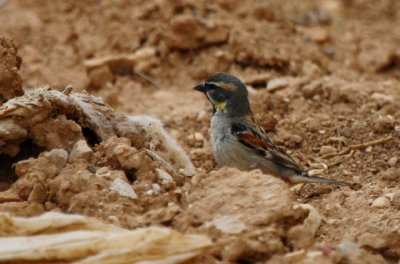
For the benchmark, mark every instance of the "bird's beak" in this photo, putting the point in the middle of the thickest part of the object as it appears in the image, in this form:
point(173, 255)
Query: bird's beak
point(201, 87)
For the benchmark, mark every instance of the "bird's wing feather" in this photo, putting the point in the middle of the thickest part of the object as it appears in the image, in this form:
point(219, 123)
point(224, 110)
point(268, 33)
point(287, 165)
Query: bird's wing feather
point(252, 136)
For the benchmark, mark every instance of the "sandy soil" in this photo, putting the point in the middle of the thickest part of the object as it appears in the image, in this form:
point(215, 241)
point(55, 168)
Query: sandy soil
point(323, 77)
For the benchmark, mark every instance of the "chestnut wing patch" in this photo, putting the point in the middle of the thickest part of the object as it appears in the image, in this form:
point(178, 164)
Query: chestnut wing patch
point(263, 146)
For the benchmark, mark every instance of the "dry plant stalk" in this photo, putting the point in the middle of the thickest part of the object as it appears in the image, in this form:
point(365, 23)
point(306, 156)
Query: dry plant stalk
point(79, 239)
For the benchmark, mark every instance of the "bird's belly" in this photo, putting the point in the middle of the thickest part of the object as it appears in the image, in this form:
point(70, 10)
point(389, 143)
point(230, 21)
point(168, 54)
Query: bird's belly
point(228, 152)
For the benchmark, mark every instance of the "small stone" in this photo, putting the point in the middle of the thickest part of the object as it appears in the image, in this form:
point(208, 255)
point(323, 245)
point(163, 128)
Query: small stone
point(198, 136)
point(276, 84)
point(345, 131)
point(347, 247)
point(123, 188)
point(114, 220)
point(103, 172)
point(396, 201)
point(58, 156)
point(384, 123)
point(155, 187)
point(381, 202)
point(368, 149)
point(391, 174)
point(393, 161)
point(80, 150)
point(38, 194)
point(163, 175)
point(317, 34)
point(371, 240)
point(312, 124)
point(295, 256)
point(327, 149)
point(382, 99)
point(296, 138)
point(229, 224)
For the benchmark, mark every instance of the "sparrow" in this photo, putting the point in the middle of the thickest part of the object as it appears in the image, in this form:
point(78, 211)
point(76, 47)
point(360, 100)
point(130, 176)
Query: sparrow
point(238, 141)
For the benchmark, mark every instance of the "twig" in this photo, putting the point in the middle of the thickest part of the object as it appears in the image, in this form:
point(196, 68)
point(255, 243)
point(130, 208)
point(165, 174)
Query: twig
point(357, 146)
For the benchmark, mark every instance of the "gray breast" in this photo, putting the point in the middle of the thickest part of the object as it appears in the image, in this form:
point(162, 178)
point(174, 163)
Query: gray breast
point(228, 151)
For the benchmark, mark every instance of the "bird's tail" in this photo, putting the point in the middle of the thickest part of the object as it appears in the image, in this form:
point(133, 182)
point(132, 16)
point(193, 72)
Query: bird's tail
point(305, 177)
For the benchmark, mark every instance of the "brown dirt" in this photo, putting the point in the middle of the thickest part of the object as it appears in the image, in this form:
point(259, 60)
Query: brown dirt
point(340, 65)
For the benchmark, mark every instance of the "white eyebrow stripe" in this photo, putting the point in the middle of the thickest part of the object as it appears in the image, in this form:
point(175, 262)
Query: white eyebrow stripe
point(224, 85)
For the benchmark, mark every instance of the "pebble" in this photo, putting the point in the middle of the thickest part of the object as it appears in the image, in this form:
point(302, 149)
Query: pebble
point(393, 161)
point(198, 136)
point(58, 156)
point(123, 188)
point(80, 150)
point(277, 84)
point(229, 224)
point(163, 175)
point(327, 149)
point(396, 201)
point(381, 202)
point(383, 123)
point(391, 174)
point(155, 187)
point(296, 138)
point(317, 34)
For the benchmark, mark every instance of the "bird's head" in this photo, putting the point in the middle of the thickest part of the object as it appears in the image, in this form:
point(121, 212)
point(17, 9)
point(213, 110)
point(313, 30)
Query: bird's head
point(227, 94)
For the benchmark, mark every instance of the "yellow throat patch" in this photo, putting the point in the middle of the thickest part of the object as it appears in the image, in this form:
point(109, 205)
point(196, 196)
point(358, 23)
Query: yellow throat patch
point(220, 105)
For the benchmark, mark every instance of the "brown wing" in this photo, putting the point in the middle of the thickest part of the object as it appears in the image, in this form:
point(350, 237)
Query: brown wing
point(257, 139)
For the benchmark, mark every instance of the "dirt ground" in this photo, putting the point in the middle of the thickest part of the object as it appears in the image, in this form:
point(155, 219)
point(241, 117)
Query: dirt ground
point(324, 79)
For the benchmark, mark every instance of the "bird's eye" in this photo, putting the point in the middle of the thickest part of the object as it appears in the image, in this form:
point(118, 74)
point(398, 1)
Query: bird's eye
point(211, 86)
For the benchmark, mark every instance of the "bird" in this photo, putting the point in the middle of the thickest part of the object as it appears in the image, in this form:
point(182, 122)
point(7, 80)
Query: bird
point(239, 141)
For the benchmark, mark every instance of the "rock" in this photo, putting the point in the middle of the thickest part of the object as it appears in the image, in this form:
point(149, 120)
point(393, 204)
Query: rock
point(311, 89)
point(58, 156)
point(59, 132)
point(38, 194)
point(382, 99)
point(312, 124)
point(381, 202)
point(327, 149)
point(393, 161)
point(163, 175)
point(396, 201)
point(123, 188)
point(384, 123)
point(80, 150)
point(302, 236)
point(391, 174)
point(347, 247)
point(371, 240)
point(276, 84)
point(255, 199)
point(198, 136)
point(229, 224)
point(316, 34)
point(155, 187)
point(294, 257)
